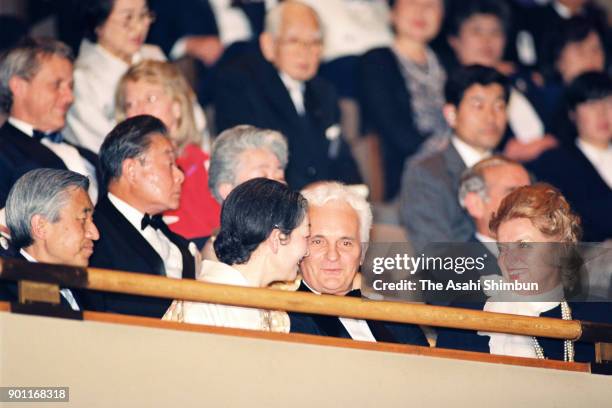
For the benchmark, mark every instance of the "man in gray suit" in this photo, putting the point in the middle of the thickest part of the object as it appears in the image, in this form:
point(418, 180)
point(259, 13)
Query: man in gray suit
point(476, 99)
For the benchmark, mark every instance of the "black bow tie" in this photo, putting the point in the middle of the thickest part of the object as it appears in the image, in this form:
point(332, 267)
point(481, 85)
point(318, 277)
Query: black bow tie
point(55, 137)
point(156, 221)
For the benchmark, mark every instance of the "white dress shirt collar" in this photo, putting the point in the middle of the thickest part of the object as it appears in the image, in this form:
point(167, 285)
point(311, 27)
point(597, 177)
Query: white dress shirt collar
point(296, 91)
point(468, 154)
point(563, 11)
point(65, 292)
point(130, 213)
point(488, 242)
point(24, 127)
point(601, 159)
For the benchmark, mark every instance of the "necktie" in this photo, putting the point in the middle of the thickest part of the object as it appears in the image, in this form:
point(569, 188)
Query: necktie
point(55, 137)
point(156, 222)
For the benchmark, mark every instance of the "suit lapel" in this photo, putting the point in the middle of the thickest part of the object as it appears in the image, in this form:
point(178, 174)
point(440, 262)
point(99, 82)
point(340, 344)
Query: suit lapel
point(132, 237)
point(328, 325)
point(31, 148)
point(454, 162)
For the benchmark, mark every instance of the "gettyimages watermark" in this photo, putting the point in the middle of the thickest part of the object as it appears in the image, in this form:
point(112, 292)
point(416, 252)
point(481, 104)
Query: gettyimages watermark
point(447, 273)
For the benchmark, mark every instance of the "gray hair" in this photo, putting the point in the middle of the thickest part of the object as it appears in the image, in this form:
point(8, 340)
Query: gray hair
point(24, 61)
point(40, 191)
point(231, 143)
point(321, 193)
point(274, 17)
point(473, 181)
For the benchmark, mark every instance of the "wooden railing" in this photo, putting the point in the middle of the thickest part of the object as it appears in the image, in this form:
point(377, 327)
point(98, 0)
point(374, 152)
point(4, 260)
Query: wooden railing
point(437, 316)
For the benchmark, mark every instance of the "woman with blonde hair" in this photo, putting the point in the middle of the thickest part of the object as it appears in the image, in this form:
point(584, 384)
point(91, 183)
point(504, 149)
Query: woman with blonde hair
point(536, 231)
point(159, 89)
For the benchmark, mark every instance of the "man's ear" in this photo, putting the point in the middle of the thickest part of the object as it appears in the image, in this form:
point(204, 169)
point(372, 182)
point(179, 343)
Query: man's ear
point(267, 45)
point(129, 170)
point(474, 205)
point(17, 86)
point(38, 227)
point(450, 114)
point(224, 189)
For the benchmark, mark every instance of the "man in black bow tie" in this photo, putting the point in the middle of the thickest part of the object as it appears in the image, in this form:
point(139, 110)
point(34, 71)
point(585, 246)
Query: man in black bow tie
point(340, 221)
point(139, 169)
point(36, 93)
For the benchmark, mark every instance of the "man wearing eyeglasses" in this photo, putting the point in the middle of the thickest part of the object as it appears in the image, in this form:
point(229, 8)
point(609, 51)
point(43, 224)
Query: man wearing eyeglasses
point(278, 88)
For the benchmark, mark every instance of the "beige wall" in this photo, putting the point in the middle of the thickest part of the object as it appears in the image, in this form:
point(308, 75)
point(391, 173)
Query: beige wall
point(110, 365)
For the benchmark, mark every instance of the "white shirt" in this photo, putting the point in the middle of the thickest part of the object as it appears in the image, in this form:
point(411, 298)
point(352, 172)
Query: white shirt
point(65, 292)
point(489, 243)
point(468, 154)
point(352, 27)
point(358, 329)
point(601, 159)
point(69, 155)
point(523, 118)
point(96, 75)
point(224, 315)
point(296, 91)
point(232, 23)
point(168, 252)
point(512, 344)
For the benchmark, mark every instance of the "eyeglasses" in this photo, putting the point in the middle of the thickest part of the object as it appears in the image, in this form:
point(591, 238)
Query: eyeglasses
point(128, 19)
point(294, 44)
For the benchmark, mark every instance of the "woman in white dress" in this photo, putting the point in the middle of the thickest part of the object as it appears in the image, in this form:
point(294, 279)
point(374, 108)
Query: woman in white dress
point(116, 31)
point(263, 237)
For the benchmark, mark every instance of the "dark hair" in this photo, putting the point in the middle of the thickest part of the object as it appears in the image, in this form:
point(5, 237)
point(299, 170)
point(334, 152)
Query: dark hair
point(250, 213)
point(590, 86)
point(461, 11)
point(462, 78)
point(574, 30)
point(95, 13)
point(130, 138)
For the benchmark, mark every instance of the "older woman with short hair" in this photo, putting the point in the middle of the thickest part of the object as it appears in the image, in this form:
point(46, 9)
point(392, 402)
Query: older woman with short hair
point(263, 237)
point(536, 230)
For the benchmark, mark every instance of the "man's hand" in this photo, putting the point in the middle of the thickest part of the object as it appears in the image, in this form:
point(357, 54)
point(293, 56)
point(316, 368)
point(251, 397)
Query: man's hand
point(206, 48)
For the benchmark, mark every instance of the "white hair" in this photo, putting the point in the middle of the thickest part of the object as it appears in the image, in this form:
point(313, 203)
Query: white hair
point(274, 17)
point(321, 193)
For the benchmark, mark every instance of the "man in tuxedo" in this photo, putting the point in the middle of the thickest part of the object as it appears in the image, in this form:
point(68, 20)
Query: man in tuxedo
point(278, 89)
point(139, 168)
point(476, 98)
point(36, 92)
point(340, 223)
point(50, 217)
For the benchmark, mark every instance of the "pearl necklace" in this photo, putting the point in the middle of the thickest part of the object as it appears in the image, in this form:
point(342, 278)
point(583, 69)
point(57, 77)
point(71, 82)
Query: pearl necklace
point(568, 345)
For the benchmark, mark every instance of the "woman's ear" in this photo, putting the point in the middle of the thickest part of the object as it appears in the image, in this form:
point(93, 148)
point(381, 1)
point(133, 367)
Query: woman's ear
point(274, 240)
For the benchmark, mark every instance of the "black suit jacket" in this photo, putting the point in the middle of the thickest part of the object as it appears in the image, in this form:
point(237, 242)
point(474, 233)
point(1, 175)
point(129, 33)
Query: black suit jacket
point(332, 326)
point(20, 153)
point(568, 169)
point(386, 107)
point(600, 312)
point(122, 247)
point(249, 91)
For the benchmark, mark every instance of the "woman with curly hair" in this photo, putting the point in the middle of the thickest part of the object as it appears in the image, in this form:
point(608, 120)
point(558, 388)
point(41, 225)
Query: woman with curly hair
point(536, 232)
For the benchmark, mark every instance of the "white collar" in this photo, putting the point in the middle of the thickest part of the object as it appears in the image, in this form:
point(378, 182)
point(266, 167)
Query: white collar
point(468, 154)
point(130, 213)
point(27, 256)
point(488, 242)
point(562, 10)
point(593, 153)
point(311, 289)
point(290, 83)
point(22, 126)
